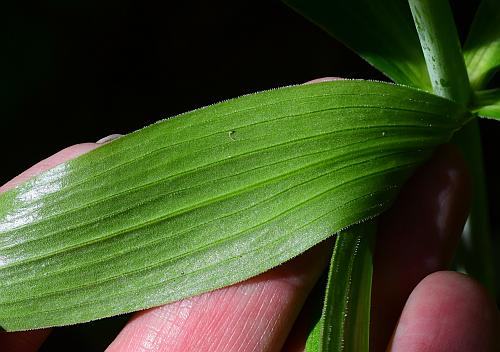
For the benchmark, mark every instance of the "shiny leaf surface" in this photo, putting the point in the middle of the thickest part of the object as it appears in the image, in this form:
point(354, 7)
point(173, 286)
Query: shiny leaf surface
point(209, 198)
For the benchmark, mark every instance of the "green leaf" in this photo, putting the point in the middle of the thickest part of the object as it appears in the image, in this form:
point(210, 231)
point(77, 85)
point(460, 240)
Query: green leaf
point(490, 112)
point(345, 320)
point(482, 48)
point(441, 46)
point(209, 198)
point(382, 32)
point(487, 103)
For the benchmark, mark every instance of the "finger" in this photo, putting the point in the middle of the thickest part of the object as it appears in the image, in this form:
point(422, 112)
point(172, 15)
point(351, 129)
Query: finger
point(255, 315)
point(417, 236)
point(26, 341)
point(448, 311)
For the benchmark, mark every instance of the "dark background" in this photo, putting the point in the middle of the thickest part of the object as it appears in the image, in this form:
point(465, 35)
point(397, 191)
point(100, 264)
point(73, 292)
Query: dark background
point(76, 71)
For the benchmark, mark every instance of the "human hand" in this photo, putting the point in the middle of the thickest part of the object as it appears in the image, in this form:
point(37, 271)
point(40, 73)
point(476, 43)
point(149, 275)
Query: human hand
point(445, 311)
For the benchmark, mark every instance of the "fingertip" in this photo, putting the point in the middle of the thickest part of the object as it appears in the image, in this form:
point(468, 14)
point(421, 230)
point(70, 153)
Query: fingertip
point(448, 311)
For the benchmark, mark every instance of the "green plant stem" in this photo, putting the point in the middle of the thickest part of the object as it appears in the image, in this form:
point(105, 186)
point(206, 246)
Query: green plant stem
point(441, 46)
point(475, 254)
point(446, 67)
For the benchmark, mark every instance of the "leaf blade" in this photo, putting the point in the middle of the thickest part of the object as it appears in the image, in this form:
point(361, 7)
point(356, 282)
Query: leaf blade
point(209, 198)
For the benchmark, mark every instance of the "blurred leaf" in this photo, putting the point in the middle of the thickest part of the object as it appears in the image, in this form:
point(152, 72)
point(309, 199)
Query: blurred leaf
point(482, 48)
point(436, 28)
point(382, 32)
point(487, 103)
point(209, 198)
point(475, 247)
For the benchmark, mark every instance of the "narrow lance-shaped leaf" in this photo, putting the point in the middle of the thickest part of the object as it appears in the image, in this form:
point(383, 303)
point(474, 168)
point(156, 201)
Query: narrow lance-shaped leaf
point(482, 48)
point(382, 32)
point(345, 320)
point(209, 198)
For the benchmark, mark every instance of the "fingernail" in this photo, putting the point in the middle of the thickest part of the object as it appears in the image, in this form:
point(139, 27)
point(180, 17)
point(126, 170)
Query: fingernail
point(324, 79)
point(109, 138)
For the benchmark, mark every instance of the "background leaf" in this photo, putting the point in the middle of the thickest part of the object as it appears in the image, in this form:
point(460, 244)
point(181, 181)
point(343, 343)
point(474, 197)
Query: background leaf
point(482, 48)
point(382, 32)
point(488, 103)
point(209, 198)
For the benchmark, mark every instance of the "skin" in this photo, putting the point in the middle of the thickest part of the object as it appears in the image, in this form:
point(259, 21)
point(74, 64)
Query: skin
point(417, 306)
